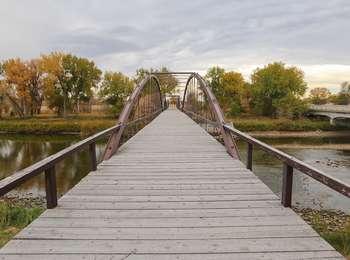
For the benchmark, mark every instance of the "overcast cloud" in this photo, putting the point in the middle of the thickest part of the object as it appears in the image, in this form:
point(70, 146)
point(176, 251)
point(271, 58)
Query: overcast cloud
point(185, 35)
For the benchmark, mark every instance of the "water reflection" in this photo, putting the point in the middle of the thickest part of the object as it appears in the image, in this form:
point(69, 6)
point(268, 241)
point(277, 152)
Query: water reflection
point(306, 191)
point(18, 152)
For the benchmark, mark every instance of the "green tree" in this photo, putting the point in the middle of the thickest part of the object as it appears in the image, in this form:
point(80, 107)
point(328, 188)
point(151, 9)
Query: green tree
point(214, 76)
point(84, 77)
point(275, 85)
point(115, 88)
point(68, 80)
point(229, 88)
point(233, 92)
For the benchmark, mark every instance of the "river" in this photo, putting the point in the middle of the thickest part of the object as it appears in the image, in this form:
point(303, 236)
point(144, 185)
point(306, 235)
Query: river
point(332, 155)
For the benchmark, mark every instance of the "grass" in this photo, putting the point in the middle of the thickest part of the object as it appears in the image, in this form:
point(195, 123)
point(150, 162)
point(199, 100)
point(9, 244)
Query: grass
point(339, 239)
point(15, 217)
point(87, 124)
point(245, 123)
point(334, 227)
point(82, 124)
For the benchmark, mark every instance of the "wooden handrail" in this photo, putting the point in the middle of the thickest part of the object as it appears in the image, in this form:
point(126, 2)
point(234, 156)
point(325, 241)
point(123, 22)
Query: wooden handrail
point(290, 163)
point(47, 165)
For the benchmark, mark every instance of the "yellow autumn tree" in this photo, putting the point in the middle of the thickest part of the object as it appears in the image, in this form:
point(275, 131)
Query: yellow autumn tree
point(15, 86)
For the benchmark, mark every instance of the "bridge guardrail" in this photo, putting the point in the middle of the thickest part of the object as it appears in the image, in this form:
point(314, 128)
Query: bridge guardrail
point(289, 163)
point(47, 165)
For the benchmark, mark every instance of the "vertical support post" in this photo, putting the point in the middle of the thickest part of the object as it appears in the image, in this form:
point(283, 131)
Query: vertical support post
point(51, 188)
point(287, 185)
point(92, 150)
point(250, 156)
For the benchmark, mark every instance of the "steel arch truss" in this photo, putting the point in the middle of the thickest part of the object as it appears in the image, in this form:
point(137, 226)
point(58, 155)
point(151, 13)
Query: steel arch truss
point(144, 104)
point(201, 105)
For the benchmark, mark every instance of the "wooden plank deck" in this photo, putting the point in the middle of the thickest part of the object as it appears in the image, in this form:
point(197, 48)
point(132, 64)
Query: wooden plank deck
point(171, 192)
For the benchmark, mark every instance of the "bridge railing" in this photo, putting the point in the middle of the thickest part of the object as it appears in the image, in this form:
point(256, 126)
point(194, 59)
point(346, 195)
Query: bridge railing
point(289, 164)
point(200, 104)
point(48, 164)
point(144, 104)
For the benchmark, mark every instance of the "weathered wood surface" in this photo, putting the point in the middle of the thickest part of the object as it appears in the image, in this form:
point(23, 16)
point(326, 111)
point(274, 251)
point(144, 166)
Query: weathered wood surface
point(171, 192)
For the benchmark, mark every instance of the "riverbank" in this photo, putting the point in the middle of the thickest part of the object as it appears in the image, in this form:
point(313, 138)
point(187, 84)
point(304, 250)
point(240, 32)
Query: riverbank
point(16, 214)
point(83, 125)
point(90, 124)
point(333, 226)
point(263, 124)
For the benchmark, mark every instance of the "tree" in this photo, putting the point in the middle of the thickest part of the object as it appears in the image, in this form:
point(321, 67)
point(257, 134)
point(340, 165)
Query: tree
point(229, 88)
point(340, 99)
point(68, 80)
point(35, 85)
point(274, 85)
point(84, 76)
point(55, 90)
point(214, 76)
point(167, 82)
point(15, 86)
point(233, 92)
point(319, 96)
point(115, 88)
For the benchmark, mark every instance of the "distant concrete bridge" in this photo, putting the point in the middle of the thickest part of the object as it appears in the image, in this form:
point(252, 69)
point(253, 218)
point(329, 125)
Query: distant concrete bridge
point(333, 112)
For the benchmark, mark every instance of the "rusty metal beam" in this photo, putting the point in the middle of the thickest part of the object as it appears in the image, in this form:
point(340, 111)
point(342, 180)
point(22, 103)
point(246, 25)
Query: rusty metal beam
point(215, 108)
point(114, 140)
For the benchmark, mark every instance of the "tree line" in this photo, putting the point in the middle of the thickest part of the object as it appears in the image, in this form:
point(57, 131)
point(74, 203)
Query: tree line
point(275, 90)
point(64, 81)
point(321, 96)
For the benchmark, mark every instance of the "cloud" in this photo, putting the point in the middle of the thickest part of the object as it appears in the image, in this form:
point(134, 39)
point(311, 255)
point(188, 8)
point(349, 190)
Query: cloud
point(185, 35)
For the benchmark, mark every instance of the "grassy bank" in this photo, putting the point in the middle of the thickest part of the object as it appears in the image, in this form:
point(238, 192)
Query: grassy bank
point(84, 125)
point(283, 124)
point(334, 227)
point(14, 216)
point(89, 124)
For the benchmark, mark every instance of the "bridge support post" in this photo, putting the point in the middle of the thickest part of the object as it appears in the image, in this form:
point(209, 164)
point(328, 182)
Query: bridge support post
point(51, 188)
point(92, 150)
point(287, 185)
point(250, 157)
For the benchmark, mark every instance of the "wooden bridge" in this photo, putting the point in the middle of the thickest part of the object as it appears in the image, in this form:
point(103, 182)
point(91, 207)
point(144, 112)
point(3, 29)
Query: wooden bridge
point(172, 191)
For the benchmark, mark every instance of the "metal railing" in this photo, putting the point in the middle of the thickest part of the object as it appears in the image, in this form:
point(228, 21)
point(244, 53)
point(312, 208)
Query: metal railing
point(289, 164)
point(48, 164)
point(201, 105)
point(144, 104)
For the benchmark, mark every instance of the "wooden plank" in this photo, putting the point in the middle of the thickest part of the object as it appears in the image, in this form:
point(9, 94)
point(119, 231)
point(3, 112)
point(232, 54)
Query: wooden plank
point(170, 222)
point(167, 246)
point(329, 255)
point(170, 205)
point(76, 213)
point(200, 233)
point(176, 198)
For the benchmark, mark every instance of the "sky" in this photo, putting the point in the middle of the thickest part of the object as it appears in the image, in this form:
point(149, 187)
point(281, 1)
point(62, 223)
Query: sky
point(185, 35)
